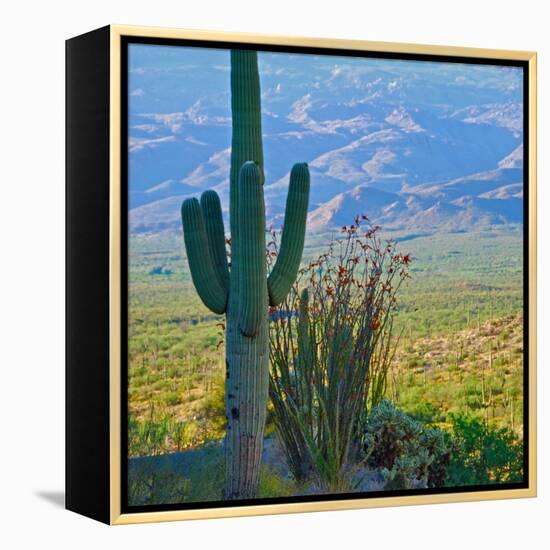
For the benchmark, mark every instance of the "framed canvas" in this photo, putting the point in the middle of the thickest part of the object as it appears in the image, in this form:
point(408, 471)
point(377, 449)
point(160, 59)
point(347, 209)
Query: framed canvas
point(300, 274)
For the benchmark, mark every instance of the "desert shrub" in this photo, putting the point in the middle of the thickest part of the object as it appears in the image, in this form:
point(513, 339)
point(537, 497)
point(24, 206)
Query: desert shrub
point(409, 453)
point(483, 453)
point(149, 486)
point(272, 484)
point(439, 446)
point(198, 477)
point(171, 398)
point(213, 408)
point(388, 434)
point(331, 347)
point(149, 435)
point(160, 432)
point(404, 473)
point(207, 475)
point(426, 412)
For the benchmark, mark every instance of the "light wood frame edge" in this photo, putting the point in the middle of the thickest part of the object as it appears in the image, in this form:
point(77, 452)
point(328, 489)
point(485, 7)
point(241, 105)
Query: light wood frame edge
point(117, 518)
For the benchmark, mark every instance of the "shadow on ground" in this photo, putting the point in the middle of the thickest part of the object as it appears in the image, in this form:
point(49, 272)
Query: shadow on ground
point(56, 498)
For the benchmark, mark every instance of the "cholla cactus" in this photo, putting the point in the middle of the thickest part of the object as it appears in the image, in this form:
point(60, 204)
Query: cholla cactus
point(409, 454)
point(243, 290)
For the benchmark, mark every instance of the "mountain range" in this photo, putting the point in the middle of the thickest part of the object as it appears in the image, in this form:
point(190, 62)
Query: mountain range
point(410, 144)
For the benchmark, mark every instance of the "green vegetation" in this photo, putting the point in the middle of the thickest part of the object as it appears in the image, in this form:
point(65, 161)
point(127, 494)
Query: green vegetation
point(190, 477)
point(196, 476)
point(478, 372)
point(414, 454)
point(461, 280)
point(407, 453)
point(483, 454)
point(457, 367)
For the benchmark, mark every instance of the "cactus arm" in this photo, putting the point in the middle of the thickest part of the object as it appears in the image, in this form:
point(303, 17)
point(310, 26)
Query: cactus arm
point(215, 233)
point(286, 267)
point(203, 274)
point(252, 285)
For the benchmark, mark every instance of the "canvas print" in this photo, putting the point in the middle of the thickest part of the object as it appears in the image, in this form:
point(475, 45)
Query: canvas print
point(326, 275)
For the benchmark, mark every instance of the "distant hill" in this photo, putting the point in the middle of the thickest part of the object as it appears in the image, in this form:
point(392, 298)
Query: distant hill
point(485, 198)
point(408, 144)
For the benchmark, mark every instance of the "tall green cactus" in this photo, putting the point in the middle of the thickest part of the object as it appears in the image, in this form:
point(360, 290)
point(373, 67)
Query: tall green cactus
point(244, 291)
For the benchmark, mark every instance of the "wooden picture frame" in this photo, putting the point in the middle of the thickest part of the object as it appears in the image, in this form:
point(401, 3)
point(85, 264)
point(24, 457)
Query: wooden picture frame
point(97, 180)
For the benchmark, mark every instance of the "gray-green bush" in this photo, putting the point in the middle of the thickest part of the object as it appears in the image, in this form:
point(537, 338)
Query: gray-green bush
point(409, 453)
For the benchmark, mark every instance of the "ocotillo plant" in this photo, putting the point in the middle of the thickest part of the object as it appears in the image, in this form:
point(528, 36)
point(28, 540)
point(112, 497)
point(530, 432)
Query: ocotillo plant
point(243, 290)
point(331, 349)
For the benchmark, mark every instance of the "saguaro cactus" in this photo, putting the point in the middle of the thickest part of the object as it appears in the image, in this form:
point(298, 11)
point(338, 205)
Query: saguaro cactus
point(244, 291)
